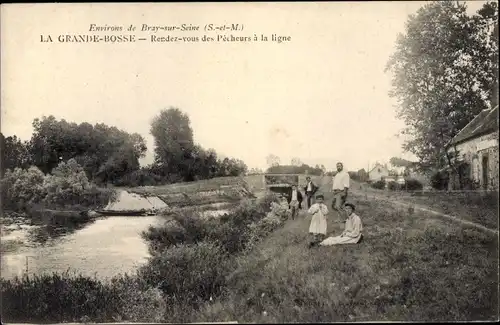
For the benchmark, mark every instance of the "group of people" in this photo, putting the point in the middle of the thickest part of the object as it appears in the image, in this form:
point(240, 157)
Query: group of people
point(319, 211)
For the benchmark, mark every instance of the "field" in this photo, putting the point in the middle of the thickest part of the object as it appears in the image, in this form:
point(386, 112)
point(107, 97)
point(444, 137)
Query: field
point(411, 266)
point(408, 268)
point(474, 206)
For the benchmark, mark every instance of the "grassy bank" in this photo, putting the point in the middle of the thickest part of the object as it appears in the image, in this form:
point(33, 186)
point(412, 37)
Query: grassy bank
point(408, 269)
point(252, 269)
point(477, 207)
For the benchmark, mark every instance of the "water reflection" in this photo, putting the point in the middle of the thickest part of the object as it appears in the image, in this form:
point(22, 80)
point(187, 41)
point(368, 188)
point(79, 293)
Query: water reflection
point(105, 247)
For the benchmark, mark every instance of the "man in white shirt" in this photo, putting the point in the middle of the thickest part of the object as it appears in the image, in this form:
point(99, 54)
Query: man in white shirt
point(340, 188)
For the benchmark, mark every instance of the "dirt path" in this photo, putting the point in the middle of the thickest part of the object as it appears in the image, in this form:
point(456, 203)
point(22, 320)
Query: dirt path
point(420, 207)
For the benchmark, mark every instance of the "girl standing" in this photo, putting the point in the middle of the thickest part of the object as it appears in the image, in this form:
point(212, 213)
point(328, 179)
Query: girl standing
point(318, 225)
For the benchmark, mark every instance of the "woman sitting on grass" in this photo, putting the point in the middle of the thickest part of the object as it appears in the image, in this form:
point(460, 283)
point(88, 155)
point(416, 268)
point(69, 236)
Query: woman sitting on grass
point(317, 228)
point(352, 233)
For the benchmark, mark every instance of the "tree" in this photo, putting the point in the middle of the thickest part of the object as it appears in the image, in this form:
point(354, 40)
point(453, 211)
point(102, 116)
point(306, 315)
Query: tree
point(173, 138)
point(272, 160)
point(22, 188)
point(296, 162)
point(66, 185)
point(14, 153)
point(445, 68)
point(255, 171)
point(291, 169)
point(400, 162)
point(104, 152)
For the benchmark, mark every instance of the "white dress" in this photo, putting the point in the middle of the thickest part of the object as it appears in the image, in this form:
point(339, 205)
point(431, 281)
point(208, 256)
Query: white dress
point(351, 234)
point(318, 221)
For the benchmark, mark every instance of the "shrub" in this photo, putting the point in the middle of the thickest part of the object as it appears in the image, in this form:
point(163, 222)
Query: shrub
point(440, 180)
point(75, 298)
point(378, 184)
point(68, 187)
point(57, 298)
point(141, 177)
point(232, 231)
point(188, 273)
point(413, 185)
point(138, 303)
point(394, 186)
point(237, 229)
point(22, 188)
point(185, 228)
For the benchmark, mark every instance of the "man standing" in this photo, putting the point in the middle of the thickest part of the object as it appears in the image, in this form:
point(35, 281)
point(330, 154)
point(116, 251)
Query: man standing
point(310, 190)
point(295, 201)
point(340, 188)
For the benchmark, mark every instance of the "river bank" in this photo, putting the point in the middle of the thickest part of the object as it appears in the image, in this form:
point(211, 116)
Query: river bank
point(408, 268)
point(104, 246)
point(208, 246)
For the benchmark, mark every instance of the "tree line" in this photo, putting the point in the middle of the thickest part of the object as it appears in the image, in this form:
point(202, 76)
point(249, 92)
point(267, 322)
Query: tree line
point(109, 155)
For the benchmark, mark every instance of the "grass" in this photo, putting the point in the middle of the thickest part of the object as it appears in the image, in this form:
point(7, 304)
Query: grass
point(477, 207)
point(204, 192)
point(212, 190)
point(408, 268)
point(188, 187)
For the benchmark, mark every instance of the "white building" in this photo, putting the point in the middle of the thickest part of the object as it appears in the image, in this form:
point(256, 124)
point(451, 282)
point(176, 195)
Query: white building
point(378, 172)
point(476, 145)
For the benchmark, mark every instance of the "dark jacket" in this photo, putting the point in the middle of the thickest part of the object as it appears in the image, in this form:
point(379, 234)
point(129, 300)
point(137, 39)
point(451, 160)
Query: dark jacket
point(313, 187)
point(299, 197)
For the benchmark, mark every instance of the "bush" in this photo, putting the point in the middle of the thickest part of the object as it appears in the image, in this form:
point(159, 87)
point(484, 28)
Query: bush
point(22, 188)
point(57, 298)
point(440, 180)
point(141, 177)
point(189, 273)
point(75, 298)
point(394, 186)
point(67, 187)
point(378, 184)
point(188, 228)
point(413, 185)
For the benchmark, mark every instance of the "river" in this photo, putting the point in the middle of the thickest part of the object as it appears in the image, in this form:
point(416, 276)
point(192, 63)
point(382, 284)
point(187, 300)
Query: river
point(105, 247)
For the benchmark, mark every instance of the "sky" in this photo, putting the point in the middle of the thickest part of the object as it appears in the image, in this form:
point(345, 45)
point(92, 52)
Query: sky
point(321, 97)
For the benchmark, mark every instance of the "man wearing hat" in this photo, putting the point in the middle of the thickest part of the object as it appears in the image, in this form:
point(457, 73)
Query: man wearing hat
point(352, 232)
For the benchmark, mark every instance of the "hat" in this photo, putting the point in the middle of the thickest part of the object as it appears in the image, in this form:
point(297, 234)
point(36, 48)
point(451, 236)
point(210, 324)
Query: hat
point(350, 205)
point(320, 196)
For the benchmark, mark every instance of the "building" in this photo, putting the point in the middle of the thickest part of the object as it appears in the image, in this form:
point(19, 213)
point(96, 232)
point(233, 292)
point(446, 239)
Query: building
point(475, 150)
point(378, 172)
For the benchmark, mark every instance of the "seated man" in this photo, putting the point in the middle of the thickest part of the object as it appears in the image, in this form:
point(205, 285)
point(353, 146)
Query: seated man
point(351, 234)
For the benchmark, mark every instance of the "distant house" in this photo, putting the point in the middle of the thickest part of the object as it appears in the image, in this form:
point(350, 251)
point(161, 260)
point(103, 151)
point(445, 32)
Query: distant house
point(362, 175)
point(378, 172)
point(476, 147)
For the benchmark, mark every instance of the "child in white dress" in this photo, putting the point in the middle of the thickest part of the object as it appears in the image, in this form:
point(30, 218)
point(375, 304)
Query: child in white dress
point(318, 225)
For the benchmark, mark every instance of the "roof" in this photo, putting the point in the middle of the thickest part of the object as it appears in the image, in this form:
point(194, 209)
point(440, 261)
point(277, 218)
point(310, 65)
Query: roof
point(378, 165)
point(484, 123)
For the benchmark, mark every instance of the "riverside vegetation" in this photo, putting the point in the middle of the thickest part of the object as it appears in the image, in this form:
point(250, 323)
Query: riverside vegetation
point(252, 267)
